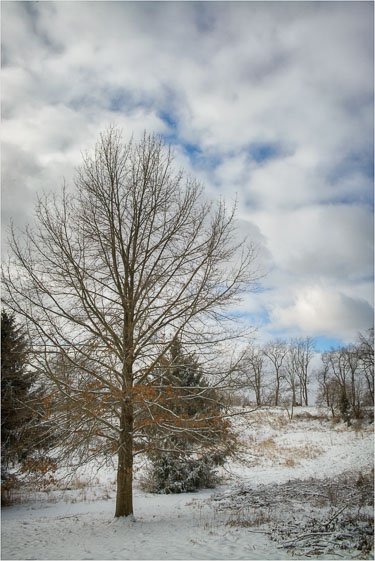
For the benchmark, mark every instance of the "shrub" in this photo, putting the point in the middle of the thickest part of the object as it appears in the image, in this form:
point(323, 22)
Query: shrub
point(9, 483)
point(344, 407)
point(170, 473)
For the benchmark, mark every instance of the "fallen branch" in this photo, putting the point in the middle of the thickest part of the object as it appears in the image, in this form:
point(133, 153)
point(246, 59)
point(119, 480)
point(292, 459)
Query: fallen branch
point(304, 536)
point(336, 515)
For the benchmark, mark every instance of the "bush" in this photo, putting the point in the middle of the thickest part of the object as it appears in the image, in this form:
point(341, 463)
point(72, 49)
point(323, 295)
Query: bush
point(345, 409)
point(9, 482)
point(181, 474)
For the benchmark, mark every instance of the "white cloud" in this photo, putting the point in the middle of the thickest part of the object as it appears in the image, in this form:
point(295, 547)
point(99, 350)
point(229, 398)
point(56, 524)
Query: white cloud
point(229, 78)
point(319, 310)
point(332, 241)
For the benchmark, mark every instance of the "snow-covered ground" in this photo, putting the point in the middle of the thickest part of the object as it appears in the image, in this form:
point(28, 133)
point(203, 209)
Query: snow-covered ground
point(280, 463)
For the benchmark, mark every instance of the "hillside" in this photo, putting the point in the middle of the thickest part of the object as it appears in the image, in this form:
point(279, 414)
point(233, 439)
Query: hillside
point(297, 488)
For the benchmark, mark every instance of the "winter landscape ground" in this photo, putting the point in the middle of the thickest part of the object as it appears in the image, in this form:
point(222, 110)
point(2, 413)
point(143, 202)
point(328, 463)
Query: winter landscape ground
point(300, 488)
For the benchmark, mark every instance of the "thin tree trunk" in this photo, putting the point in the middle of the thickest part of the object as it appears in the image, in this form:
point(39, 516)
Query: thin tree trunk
point(277, 391)
point(293, 394)
point(353, 390)
point(258, 388)
point(306, 396)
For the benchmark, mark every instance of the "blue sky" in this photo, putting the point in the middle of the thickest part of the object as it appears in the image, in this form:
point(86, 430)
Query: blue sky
point(269, 103)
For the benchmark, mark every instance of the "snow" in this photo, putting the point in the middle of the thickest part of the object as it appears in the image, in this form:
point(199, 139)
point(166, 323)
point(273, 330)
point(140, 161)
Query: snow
point(333, 450)
point(166, 527)
point(78, 523)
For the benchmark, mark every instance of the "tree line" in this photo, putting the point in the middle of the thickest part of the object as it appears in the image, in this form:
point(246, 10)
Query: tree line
point(277, 371)
point(346, 377)
point(281, 372)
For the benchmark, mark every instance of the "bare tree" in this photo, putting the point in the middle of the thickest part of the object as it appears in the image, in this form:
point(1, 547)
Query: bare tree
point(341, 374)
point(329, 389)
point(276, 351)
point(253, 373)
point(346, 378)
point(291, 373)
point(335, 361)
point(302, 350)
point(351, 357)
point(365, 349)
point(108, 279)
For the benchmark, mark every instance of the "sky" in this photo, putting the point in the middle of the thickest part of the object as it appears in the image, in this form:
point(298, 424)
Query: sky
point(266, 103)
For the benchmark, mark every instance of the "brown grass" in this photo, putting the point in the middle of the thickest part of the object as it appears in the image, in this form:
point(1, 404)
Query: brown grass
point(283, 454)
point(256, 517)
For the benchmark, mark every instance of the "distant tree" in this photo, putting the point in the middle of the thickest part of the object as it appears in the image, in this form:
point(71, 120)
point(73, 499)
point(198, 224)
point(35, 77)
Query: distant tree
point(276, 352)
point(338, 366)
point(302, 350)
point(355, 384)
point(336, 378)
point(291, 373)
point(346, 378)
point(108, 278)
point(329, 389)
point(365, 350)
point(344, 407)
point(253, 373)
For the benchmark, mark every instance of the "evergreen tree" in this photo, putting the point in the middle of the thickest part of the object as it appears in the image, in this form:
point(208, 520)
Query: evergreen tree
point(344, 406)
point(22, 431)
point(181, 462)
point(16, 385)
point(188, 376)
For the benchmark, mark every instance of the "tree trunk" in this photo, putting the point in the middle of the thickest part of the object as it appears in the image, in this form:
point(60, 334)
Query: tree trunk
point(124, 498)
point(293, 394)
point(306, 396)
point(328, 401)
point(277, 391)
point(258, 389)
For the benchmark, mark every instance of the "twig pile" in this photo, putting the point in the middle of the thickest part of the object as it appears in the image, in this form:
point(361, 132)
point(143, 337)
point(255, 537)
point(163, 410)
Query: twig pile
point(311, 518)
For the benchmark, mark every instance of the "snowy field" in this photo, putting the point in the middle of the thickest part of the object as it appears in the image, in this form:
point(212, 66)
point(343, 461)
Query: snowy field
point(298, 489)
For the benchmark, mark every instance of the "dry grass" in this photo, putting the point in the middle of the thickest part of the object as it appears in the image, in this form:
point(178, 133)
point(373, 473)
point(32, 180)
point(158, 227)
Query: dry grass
point(312, 416)
point(283, 454)
point(250, 518)
point(274, 419)
point(78, 483)
point(267, 446)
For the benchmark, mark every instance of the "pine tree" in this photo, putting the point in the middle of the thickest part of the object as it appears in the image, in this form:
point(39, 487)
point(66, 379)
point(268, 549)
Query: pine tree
point(182, 463)
point(25, 432)
point(16, 383)
point(188, 376)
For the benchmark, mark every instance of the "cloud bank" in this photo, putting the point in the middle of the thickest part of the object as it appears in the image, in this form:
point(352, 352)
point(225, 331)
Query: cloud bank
point(269, 102)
